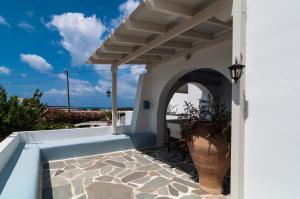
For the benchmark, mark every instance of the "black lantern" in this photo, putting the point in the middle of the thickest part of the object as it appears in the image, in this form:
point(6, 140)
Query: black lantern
point(236, 71)
point(108, 92)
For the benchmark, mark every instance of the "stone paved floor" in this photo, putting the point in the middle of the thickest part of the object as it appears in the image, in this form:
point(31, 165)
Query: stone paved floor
point(147, 174)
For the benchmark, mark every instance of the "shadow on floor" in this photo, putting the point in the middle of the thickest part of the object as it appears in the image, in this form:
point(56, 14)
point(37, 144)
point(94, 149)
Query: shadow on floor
point(46, 182)
point(175, 159)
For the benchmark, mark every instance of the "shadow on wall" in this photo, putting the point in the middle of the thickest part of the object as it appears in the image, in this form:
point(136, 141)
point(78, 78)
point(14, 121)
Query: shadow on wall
point(8, 169)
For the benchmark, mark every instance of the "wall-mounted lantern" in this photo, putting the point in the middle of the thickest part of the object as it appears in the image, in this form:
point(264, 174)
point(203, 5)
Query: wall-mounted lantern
point(236, 71)
point(108, 93)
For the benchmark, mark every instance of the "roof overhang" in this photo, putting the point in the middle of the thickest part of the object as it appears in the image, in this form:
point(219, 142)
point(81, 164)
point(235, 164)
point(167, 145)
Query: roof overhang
point(160, 30)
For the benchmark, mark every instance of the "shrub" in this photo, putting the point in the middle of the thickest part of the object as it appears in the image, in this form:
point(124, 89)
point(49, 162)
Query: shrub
point(30, 114)
point(50, 125)
point(19, 115)
point(209, 112)
point(60, 116)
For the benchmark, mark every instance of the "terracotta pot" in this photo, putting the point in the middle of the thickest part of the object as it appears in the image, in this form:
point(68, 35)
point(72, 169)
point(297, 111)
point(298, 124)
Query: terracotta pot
point(210, 156)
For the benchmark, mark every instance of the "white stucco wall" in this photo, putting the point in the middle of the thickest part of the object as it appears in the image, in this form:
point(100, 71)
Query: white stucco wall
point(157, 82)
point(124, 118)
point(193, 96)
point(272, 132)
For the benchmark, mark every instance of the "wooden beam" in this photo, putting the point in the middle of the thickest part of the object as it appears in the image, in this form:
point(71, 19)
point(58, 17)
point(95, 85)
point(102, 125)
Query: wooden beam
point(118, 52)
point(197, 35)
point(217, 40)
point(102, 61)
point(149, 27)
point(197, 19)
point(175, 44)
point(167, 7)
point(150, 57)
point(216, 22)
point(160, 52)
point(138, 25)
point(126, 39)
point(116, 49)
point(140, 61)
point(115, 56)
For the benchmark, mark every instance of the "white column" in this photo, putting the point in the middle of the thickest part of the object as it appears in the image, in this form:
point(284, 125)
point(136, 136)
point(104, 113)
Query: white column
point(114, 98)
point(238, 102)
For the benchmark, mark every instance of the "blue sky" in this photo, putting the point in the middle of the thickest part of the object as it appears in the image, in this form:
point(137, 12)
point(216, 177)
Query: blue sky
point(41, 39)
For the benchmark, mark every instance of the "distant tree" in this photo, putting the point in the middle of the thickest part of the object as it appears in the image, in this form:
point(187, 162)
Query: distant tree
point(3, 112)
point(19, 114)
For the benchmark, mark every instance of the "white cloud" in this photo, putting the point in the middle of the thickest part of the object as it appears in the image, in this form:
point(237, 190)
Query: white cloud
point(127, 80)
point(128, 75)
point(125, 9)
point(136, 70)
point(103, 70)
point(4, 70)
point(128, 7)
point(80, 35)
point(78, 87)
point(26, 26)
point(3, 21)
point(54, 91)
point(37, 62)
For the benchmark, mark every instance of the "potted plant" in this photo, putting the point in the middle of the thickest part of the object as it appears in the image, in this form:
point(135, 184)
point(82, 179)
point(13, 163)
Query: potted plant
point(207, 130)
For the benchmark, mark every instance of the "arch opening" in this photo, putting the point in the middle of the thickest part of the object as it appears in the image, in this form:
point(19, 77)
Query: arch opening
point(211, 83)
point(194, 86)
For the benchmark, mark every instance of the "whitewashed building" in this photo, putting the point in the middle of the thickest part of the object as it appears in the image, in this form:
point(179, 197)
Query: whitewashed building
point(174, 38)
point(190, 92)
point(192, 41)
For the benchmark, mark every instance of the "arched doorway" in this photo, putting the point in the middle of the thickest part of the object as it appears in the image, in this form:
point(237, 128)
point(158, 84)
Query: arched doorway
point(196, 85)
point(209, 80)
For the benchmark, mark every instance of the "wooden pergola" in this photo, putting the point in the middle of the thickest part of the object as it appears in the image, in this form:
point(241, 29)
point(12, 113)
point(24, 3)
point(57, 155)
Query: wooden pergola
point(160, 30)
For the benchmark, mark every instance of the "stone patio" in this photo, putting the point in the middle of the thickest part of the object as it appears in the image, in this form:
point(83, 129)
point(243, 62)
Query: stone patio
point(140, 174)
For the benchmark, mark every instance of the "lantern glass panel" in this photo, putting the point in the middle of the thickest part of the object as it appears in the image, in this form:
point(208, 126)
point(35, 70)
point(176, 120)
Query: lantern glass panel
point(237, 73)
point(233, 75)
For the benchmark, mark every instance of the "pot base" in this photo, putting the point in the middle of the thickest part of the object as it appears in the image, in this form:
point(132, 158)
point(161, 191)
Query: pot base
point(210, 190)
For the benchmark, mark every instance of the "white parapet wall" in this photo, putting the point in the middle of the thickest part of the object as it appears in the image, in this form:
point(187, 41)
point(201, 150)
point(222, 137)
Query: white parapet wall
point(62, 134)
point(10, 144)
point(7, 148)
point(272, 132)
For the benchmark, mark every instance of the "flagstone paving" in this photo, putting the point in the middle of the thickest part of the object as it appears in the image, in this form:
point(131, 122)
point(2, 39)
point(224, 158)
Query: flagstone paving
point(135, 174)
